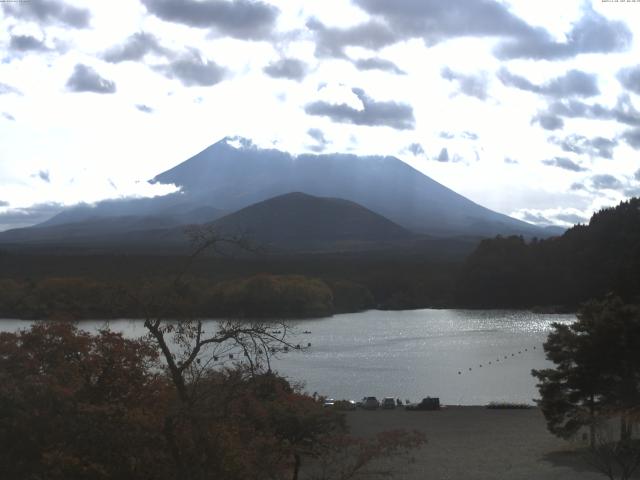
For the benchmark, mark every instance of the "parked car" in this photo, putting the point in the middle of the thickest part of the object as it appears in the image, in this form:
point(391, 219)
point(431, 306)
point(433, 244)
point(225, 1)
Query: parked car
point(344, 405)
point(328, 402)
point(428, 403)
point(388, 403)
point(370, 403)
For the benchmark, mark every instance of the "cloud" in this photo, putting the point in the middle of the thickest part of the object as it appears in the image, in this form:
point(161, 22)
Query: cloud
point(8, 116)
point(319, 137)
point(469, 135)
point(577, 186)
point(573, 83)
point(637, 175)
point(623, 112)
point(535, 218)
point(242, 19)
point(548, 122)
point(447, 135)
point(571, 218)
point(632, 137)
point(144, 108)
point(44, 176)
point(373, 113)
point(472, 85)
point(443, 156)
point(630, 78)
point(331, 41)
point(435, 21)
point(290, 68)
point(564, 163)
point(22, 217)
point(605, 182)
point(135, 48)
point(48, 12)
point(416, 149)
point(26, 43)
point(86, 79)
point(193, 70)
point(510, 161)
point(594, 147)
point(6, 89)
point(375, 63)
point(4, 203)
point(593, 33)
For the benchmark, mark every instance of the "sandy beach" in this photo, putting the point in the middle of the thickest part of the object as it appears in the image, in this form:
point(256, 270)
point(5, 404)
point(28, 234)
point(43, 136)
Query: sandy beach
point(476, 443)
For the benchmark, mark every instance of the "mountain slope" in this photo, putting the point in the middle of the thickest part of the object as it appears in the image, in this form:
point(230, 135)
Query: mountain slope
point(300, 221)
point(232, 177)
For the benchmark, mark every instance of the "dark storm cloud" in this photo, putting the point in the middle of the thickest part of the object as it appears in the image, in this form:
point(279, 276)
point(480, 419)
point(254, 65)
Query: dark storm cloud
point(193, 70)
point(623, 112)
point(26, 43)
point(548, 122)
point(86, 79)
point(6, 89)
point(632, 137)
point(376, 63)
point(570, 218)
point(605, 182)
point(374, 113)
point(595, 147)
point(242, 19)
point(8, 116)
point(573, 83)
point(435, 21)
point(472, 85)
point(48, 12)
point(416, 149)
point(331, 41)
point(593, 33)
point(144, 108)
point(564, 163)
point(21, 217)
point(290, 68)
point(318, 136)
point(443, 156)
point(135, 48)
point(630, 78)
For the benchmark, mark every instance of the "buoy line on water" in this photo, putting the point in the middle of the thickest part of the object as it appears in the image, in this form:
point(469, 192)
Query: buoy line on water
point(497, 360)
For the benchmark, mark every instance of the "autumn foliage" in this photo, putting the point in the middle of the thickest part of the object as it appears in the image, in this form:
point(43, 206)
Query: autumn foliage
point(79, 406)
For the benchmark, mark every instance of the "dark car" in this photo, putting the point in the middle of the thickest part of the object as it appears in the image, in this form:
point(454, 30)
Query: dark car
point(428, 403)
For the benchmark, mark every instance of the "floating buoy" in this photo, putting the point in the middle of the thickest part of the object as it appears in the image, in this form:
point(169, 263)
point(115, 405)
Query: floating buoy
point(526, 350)
point(489, 363)
point(469, 368)
point(309, 344)
point(505, 357)
point(480, 365)
point(459, 372)
point(534, 348)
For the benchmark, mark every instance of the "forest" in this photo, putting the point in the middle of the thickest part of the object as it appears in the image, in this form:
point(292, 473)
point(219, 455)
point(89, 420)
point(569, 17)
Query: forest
point(555, 274)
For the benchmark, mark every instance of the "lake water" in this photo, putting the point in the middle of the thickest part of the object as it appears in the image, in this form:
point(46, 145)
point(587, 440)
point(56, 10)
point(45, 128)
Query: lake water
point(464, 357)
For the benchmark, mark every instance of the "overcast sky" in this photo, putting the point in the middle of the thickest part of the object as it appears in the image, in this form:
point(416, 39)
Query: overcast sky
point(530, 108)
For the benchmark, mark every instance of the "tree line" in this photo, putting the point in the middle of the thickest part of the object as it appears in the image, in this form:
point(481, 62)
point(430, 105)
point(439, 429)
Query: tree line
point(588, 261)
